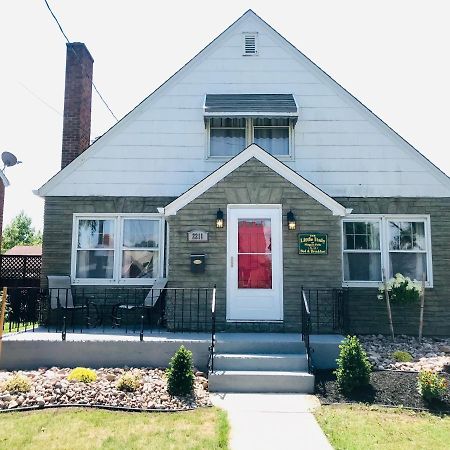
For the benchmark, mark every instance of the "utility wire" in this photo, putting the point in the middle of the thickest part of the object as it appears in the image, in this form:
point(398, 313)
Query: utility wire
point(68, 41)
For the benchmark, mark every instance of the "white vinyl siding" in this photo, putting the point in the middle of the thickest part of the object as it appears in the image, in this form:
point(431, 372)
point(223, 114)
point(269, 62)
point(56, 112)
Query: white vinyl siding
point(159, 148)
point(117, 249)
point(390, 244)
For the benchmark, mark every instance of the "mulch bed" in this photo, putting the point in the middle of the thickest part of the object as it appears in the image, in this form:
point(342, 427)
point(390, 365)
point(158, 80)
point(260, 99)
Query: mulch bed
point(390, 388)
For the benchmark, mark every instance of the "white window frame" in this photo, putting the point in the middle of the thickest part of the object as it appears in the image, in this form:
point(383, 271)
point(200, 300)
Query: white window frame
point(384, 243)
point(118, 248)
point(249, 136)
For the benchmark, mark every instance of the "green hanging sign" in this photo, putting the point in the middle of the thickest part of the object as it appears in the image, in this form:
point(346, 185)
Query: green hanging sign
point(312, 244)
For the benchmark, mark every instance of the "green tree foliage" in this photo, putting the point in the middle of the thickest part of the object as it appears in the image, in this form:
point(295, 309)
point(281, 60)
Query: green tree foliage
point(180, 374)
point(20, 232)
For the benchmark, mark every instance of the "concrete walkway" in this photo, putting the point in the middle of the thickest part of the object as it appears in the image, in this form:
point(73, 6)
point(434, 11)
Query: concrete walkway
point(272, 421)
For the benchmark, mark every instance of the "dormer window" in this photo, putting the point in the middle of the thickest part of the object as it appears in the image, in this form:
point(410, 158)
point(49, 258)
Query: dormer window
point(234, 121)
point(250, 44)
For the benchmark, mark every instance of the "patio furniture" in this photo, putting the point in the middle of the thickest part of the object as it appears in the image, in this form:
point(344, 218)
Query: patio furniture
point(62, 299)
point(154, 296)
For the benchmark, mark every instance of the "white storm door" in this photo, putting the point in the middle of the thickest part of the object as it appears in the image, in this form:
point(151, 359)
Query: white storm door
point(254, 263)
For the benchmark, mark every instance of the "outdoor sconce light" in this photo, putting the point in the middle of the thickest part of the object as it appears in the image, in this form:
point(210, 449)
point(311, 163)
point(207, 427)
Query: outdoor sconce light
point(292, 225)
point(219, 219)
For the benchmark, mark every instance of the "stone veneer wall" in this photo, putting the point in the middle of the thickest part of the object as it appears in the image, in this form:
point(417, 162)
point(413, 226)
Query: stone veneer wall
point(255, 183)
point(366, 313)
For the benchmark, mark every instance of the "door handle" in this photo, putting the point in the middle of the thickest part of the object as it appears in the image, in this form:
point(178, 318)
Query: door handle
point(231, 261)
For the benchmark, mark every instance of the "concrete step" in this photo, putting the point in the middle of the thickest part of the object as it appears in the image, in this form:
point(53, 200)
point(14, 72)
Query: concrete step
point(263, 381)
point(271, 362)
point(247, 343)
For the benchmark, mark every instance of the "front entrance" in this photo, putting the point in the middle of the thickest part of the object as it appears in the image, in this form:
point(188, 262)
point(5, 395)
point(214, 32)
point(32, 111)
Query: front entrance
point(254, 263)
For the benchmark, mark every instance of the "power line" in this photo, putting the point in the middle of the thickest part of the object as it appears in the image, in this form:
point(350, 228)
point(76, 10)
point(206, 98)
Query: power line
point(51, 107)
point(76, 54)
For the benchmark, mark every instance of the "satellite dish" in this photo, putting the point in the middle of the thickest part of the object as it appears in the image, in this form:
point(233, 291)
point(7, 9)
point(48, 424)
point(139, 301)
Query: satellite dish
point(9, 160)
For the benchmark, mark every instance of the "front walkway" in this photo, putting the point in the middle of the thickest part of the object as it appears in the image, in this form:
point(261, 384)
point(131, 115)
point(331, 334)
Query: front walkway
point(272, 421)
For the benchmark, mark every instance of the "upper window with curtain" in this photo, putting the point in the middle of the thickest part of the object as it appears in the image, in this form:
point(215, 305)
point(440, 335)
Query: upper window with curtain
point(229, 136)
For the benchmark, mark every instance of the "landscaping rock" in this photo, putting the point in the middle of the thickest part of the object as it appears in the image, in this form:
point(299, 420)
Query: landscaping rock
point(430, 354)
point(51, 387)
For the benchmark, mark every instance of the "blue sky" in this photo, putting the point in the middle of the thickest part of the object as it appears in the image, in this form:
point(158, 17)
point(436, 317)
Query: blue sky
point(393, 56)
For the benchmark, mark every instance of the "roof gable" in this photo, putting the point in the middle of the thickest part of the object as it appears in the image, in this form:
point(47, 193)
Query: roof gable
point(254, 151)
point(418, 170)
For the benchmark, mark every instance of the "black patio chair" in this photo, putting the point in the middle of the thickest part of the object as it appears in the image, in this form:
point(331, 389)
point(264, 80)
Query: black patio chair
point(62, 300)
point(154, 297)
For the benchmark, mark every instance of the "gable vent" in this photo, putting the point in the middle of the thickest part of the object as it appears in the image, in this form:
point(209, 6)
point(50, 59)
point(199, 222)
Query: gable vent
point(250, 44)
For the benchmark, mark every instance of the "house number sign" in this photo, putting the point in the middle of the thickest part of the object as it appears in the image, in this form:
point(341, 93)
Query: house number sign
point(312, 244)
point(197, 236)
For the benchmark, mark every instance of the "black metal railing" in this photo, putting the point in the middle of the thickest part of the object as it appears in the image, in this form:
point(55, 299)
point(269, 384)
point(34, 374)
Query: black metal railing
point(211, 349)
point(306, 327)
point(328, 310)
point(131, 310)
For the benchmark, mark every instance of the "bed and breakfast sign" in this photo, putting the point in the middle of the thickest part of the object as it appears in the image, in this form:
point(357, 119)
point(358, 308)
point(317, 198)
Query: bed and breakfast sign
point(312, 244)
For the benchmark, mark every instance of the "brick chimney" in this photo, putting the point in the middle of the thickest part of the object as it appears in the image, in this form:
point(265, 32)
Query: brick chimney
point(77, 102)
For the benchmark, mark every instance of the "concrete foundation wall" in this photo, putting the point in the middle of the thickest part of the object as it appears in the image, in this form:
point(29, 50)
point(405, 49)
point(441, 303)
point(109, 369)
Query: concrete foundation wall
point(95, 354)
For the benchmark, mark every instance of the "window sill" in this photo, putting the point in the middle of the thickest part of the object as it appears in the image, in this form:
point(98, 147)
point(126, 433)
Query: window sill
point(227, 158)
point(372, 284)
point(103, 282)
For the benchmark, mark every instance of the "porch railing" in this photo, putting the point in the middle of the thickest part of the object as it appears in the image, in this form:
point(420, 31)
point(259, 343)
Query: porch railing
point(306, 327)
point(210, 364)
point(327, 310)
point(130, 310)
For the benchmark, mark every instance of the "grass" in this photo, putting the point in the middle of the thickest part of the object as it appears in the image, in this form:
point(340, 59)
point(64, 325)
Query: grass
point(81, 429)
point(14, 328)
point(355, 427)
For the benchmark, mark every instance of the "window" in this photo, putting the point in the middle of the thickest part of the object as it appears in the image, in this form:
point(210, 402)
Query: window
point(400, 244)
point(362, 251)
point(229, 136)
point(117, 249)
point(407, 249)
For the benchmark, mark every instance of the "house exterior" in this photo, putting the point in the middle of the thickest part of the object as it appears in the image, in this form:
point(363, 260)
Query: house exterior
point(253, 170)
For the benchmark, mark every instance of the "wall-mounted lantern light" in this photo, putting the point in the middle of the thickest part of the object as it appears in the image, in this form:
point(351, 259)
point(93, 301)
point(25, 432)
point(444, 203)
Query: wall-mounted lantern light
point(292, 225)
point(219, 219)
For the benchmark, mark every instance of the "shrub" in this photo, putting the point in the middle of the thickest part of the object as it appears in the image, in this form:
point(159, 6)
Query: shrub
point(353, 365)
point(401, 289)
point(82, 374)
point(129, 382)
point(431, 386)
point(17, 383)
point(180, 373)
point(401, 356)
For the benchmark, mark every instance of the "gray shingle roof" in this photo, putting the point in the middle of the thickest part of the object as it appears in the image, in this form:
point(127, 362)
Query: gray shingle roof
point(250, 103)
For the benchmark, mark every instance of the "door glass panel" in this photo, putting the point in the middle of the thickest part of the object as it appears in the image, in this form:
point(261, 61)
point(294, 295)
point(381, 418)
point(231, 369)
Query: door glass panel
point(254, 254)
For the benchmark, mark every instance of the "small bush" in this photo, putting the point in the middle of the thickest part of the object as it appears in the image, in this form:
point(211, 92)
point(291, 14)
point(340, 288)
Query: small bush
point(82, 374)
point(431, 386)
point(401, 356)
point(401, 289)
point(353, 365)
point(17, 384)
point(180, 373)
point(129, 382)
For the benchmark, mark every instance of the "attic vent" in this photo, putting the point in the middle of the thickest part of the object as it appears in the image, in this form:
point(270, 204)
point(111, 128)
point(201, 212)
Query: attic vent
point(250, 44)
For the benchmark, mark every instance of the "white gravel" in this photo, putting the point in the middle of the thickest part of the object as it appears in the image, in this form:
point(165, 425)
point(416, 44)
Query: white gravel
point(430, 354)
point(51, 387)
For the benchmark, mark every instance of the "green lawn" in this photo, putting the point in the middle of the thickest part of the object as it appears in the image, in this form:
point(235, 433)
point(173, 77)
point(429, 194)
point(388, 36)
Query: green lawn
point(81, 429)
point(360, 427)
point(22, 327)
